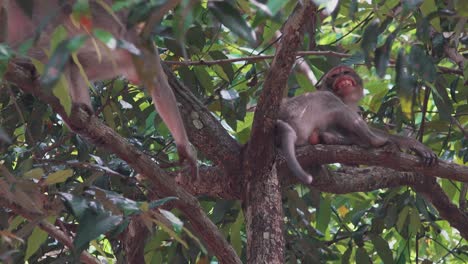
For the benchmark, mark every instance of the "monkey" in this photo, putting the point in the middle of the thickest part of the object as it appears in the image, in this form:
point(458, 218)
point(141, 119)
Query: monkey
point(309, 118)
point(347, 85)
point(46, 16)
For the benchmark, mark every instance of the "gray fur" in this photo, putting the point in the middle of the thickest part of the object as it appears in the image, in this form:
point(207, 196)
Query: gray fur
point(319, 111)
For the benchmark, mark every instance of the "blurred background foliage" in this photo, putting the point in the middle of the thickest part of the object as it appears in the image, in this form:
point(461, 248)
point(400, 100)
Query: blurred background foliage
point(411, 55)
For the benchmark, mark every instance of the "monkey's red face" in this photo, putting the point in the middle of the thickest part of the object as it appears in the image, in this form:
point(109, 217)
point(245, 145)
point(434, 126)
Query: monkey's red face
point(344, 82)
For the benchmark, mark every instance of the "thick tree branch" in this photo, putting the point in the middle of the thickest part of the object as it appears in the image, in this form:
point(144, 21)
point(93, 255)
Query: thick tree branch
point(351, 179)
point(447, 210)
point(213, 182)
point(263, 206)
point(94, 130)
point(205, 131)
point(310, 156)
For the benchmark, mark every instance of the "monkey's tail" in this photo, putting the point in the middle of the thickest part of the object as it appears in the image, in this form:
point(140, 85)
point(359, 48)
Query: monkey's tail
point(287, 139)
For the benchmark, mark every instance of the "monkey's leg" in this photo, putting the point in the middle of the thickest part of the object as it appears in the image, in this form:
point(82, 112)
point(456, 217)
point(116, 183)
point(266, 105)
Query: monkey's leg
point(288, 139)
point(335, 138)
point(353, 123)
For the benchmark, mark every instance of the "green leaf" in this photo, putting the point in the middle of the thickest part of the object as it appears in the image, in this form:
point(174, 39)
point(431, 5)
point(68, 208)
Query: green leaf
point(221, 208)
point(353, 8)
point(93, 223)
point(329, 6)
point(35, 241)
point(59, 35)
point(406, 84)
point(235, 234)
point(36, 173)
point(76, 204)
point(5, 54)
point(422, 64)
point(441, 98)
point(105, 37)
point(422, 208)
point(414, 222)
point(109, 116)
point(402, 218)
point(382, 55)
point(59, 176)
point(461, 8)
point(61, 92)
point(226, 67)
point(196, 37)
point(346, 256)
point(430, 7)
point(232, 19)
point(172, 233)
point(362, 257)
point(275, 6)
point(141, 11)
point(59, 59)
point(369, 40)
point(177, 224)
point(411, 4)
point(204, 78)
point(382, 248)
point(324, 214)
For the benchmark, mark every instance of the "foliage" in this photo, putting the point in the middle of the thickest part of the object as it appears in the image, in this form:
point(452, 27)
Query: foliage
point(398, 47)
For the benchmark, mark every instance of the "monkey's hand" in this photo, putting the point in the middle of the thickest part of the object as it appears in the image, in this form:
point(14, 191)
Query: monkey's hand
point(428, 157)
point(187, 153)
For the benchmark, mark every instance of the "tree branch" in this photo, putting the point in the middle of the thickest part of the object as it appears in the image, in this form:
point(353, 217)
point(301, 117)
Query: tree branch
point(204, 130)
point(310, 156)
point(49, 228)
point(263, 206)
point(447, 210)
point(251, 59)
point(95, 131)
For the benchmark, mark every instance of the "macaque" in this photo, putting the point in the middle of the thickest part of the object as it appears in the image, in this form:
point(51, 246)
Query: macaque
point(307, 119)
point(346, 84)
point(113, 62)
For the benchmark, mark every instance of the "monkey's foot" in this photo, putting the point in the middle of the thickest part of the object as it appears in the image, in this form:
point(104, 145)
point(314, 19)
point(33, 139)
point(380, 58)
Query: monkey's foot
point(305, 177)
point(377, 141)
point(428, 157)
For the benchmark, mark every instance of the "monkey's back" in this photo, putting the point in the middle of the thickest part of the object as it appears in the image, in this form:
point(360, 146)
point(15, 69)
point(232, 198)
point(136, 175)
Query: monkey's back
point(309, 112)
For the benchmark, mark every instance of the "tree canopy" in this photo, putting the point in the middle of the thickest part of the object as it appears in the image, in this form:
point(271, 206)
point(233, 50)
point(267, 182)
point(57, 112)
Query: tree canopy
point(112, 190)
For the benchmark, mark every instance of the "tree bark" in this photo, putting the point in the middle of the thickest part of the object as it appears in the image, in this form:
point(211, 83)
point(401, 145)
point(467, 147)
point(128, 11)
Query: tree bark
point(262, 198)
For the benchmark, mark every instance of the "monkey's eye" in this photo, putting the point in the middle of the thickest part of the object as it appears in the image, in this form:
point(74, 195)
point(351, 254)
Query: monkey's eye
point(334, 75)
point(346, 72)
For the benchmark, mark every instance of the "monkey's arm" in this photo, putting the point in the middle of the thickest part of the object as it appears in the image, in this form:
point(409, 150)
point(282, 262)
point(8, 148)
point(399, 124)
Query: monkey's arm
point(428, 157)
point(287, 139)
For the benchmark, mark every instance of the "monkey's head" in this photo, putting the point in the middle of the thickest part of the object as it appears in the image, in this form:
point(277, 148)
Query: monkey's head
point(345, 83)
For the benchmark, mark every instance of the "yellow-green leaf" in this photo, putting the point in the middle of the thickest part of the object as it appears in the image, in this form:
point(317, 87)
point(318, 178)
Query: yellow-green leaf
point(59, 176)
point(35, 240)
point(36, 173)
